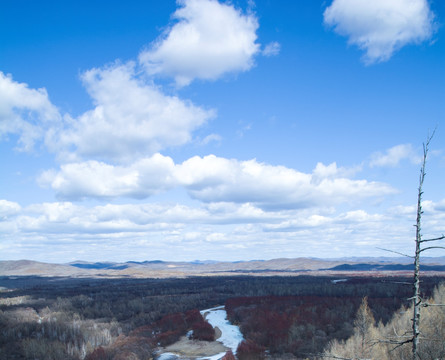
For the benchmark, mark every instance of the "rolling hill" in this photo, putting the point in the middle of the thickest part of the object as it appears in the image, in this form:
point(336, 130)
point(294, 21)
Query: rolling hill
point(162, 269)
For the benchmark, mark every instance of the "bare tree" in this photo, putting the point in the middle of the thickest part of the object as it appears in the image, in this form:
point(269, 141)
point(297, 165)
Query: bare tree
point(417, 299)
point(413, 336)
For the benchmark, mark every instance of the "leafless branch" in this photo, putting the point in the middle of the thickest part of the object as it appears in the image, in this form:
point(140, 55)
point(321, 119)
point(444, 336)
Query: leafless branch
point(393, 339)
point(403, 343)
point(425, 304)
point(396, 342)
point(396, 252)
point(432, 247)
point(435, 239)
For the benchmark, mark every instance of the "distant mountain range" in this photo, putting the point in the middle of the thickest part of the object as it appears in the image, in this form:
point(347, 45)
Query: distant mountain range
point(162, 269)
point(386, 267)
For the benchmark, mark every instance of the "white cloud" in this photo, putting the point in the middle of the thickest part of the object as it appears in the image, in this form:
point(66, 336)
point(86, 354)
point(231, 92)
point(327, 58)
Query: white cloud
point(132, 119)
point(100, 180)
point(210, 138)
point(359, 216)
point(313, 219)
point(394, 156)
point(272, 49)
point(381, 27)
point(322, 171)
point(303, 221)
point(211, 231)
point(8, 208)
point(212, 179)
point(208, 40)
point(24, 112)
point(66, 217)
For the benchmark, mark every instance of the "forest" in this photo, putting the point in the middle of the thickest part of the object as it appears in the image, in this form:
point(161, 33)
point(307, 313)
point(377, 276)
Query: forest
point(297, 317)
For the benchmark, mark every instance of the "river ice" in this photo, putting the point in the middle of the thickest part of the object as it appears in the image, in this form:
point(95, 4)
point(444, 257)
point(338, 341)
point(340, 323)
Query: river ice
point(230, 334)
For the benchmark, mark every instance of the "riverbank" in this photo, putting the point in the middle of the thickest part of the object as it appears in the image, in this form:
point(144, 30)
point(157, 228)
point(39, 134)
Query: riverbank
point(186, 348)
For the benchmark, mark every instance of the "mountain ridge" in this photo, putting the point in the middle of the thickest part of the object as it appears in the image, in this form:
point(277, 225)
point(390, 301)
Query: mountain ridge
point(161, 268)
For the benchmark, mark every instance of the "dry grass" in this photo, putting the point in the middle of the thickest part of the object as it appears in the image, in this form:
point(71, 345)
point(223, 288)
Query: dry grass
point(195, 348)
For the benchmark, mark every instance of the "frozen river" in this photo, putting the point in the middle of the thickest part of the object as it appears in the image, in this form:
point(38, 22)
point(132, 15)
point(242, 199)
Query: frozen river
point(230, 334)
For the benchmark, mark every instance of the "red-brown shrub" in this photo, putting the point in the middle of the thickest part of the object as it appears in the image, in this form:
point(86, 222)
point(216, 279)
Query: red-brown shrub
point(248, 350)
point(173, 321)
point(192, 317)
point(202, 330)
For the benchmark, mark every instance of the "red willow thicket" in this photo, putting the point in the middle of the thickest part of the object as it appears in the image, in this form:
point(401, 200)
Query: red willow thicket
point(249, 350)
point(297, 324)
point(166, 331)
point(171, 327)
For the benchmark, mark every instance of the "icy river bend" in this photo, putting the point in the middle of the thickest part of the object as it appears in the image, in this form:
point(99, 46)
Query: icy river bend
point(230, 334)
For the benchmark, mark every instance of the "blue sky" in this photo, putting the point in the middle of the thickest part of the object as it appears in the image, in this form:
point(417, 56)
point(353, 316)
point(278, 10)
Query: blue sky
point(198, 129)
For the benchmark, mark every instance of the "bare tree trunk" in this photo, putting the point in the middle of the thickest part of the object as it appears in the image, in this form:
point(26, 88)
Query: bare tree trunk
point(416, 296)
point(417, 300)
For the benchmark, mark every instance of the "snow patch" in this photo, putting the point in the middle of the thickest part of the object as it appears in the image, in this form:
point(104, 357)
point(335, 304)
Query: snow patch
point(167, 356)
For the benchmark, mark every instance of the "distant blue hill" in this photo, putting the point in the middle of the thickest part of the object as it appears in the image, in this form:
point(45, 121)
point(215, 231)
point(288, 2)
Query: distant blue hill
point(388, 267)
point(99, 265)
point(146, 262)
point(205, 262)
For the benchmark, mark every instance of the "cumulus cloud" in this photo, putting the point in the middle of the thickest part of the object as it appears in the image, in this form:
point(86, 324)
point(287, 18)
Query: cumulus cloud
point(323, 171)
point(8, 208)
point(381, 27)
point(94, 179)
point(208, 40)
point(24, 112)
point(66, 217)
point(131, 118)
point(393, 156)
point(212, 179)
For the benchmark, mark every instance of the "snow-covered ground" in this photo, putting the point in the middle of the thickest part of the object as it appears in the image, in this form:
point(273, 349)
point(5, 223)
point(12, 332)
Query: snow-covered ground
point(167, 356)
point(230, 334)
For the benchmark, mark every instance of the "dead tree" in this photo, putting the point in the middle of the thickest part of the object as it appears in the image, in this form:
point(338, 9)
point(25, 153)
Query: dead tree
point(414, 335)
point(417, 299)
